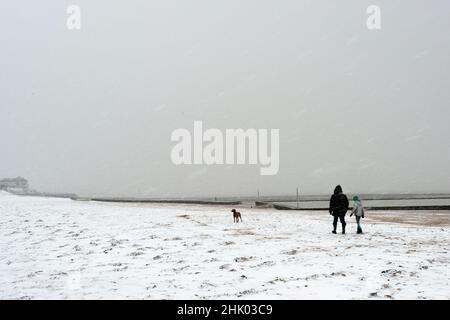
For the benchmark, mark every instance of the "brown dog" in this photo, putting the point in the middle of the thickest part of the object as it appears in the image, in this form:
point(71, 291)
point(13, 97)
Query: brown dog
point(236, 215)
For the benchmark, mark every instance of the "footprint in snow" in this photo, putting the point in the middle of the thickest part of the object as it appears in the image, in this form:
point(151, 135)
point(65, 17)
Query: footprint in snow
point(290, 252)
point(136, 253)
point(243, 259)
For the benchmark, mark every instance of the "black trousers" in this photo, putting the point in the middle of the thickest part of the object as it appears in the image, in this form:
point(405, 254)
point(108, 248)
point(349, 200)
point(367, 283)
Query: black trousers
point(341, 217)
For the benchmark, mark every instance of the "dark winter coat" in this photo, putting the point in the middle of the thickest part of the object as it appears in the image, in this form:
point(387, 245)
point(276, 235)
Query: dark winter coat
point(338, 202)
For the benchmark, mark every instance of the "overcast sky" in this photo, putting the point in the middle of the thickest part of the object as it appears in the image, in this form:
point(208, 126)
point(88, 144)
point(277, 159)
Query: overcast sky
point(91, 111)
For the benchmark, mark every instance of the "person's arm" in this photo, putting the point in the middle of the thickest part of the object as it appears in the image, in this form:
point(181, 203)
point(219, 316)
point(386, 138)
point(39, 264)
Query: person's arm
point(353, 211)
point(330, 209)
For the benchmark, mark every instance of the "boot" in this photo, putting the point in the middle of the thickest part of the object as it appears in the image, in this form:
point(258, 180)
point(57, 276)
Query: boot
point(359, 229)
point(343, 228)
point(334, 231)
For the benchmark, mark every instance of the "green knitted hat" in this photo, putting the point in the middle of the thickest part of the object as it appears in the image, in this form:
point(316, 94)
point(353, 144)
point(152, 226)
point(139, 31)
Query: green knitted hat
point(355, 198)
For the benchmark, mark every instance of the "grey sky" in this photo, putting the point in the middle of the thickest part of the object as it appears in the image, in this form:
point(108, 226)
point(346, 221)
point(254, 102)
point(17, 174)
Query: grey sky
point(91, 111)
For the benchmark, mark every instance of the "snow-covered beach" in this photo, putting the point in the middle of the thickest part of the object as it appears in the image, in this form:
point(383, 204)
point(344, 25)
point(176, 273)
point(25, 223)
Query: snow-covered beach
point(62, 249)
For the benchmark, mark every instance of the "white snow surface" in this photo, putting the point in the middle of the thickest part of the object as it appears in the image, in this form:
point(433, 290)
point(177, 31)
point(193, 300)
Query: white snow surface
point(63, 249)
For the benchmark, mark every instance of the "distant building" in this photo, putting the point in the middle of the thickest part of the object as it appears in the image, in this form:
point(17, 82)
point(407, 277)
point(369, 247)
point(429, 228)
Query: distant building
point(18, 183)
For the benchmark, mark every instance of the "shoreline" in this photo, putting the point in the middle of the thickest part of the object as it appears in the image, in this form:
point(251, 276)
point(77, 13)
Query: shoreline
point(278, 203)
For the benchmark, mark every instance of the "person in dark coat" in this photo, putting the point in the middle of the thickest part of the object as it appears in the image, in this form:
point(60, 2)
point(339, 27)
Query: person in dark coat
point(338, 207)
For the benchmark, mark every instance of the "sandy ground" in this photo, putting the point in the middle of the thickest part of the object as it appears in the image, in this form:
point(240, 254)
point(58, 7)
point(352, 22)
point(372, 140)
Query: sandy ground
point(63, 249)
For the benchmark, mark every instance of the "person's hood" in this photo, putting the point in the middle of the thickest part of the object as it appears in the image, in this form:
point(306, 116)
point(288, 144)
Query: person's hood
point(338, 189)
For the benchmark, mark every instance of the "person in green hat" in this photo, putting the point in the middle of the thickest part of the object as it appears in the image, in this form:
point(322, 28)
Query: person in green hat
point(358, 211)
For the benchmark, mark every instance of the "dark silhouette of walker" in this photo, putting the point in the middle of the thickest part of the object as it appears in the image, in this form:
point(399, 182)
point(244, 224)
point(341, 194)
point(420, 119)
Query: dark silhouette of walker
point(338, 207)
